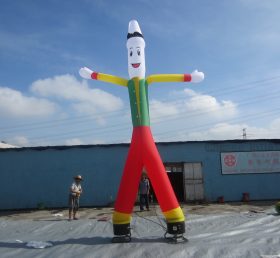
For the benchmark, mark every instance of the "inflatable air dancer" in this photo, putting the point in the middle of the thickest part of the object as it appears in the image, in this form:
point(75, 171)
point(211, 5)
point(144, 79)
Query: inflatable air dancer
point(142, 151)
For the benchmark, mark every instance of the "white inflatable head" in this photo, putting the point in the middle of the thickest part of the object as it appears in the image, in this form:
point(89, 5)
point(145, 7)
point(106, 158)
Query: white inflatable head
point(136, 51)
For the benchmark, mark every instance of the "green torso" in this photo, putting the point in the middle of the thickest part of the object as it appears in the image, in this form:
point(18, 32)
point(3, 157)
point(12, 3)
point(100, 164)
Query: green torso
point(139, 104)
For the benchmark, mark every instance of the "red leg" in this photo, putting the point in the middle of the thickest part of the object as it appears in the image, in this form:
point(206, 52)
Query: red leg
point(131, 177)
point(157, 174)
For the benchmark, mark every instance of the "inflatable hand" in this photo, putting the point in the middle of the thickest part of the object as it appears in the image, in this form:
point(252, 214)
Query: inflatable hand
point(197, 76)
point(85, 72)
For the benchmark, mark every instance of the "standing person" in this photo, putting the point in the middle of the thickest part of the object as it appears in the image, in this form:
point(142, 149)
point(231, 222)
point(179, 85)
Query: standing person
point(144, 189)
point(74, 196)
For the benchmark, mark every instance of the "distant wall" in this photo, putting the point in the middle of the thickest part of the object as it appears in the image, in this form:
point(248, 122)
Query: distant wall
point(34, 175)
point(43, 175)
point(259, 186)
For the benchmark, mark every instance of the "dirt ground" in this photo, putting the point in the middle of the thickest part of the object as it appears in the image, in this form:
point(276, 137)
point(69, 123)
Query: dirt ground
point(106, 212)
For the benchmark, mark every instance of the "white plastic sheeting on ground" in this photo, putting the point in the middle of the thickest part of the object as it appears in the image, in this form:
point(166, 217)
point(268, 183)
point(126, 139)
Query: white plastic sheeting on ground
point(230, 234)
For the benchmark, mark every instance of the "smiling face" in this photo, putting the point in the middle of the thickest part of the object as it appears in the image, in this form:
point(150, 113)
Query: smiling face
point(136, 57)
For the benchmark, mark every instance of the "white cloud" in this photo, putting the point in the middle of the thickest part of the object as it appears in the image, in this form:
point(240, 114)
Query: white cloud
point(74, 141)
point(220, 131)
point(20, 141)
point(203, 117)
point(275, 124)
point(189, 104)
point(159, 110)
point(206, 104)
point(14, 103)
point(225, 131)
point(271, 131)
point(6, 145)
point(86, 100)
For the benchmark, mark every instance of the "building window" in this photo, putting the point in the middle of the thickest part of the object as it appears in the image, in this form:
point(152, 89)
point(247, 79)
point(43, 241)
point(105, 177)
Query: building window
point(174, 167)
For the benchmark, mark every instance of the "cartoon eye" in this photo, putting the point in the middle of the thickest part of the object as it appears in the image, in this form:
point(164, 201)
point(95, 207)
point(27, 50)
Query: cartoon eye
point(138, 52)
point(130, 53)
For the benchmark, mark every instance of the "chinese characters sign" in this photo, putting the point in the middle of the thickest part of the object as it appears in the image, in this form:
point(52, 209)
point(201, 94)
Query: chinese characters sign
point(250, 162)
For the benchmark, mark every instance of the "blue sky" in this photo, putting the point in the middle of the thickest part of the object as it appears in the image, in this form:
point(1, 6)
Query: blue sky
point(43, 100)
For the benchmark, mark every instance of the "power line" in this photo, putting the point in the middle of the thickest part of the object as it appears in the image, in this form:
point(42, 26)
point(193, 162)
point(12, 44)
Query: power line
point(246, 101)
point(83, 133)
point(245, 118)
point(120, 127)
point(111, 113)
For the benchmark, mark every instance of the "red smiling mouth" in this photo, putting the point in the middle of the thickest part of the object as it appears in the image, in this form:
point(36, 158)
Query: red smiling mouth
point(136, 65)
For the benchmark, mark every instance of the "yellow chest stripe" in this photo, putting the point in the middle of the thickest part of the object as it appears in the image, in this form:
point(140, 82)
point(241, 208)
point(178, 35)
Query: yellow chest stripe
point(137, 93)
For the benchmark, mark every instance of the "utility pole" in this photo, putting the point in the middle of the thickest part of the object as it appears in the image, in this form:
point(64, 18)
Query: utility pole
point(244, 134)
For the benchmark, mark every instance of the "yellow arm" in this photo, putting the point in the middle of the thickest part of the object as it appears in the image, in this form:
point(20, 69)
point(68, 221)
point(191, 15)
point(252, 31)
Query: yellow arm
point(169, 78)
point(109, 78)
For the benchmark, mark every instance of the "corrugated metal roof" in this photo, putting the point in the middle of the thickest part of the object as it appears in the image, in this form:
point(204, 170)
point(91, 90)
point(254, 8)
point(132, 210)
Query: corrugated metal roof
point(64, 147)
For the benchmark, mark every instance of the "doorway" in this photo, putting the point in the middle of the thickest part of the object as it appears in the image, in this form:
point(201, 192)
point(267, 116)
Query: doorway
point(176, 176)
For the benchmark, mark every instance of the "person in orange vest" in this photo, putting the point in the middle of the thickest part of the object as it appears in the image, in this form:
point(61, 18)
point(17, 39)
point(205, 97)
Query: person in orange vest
point(142, 151)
